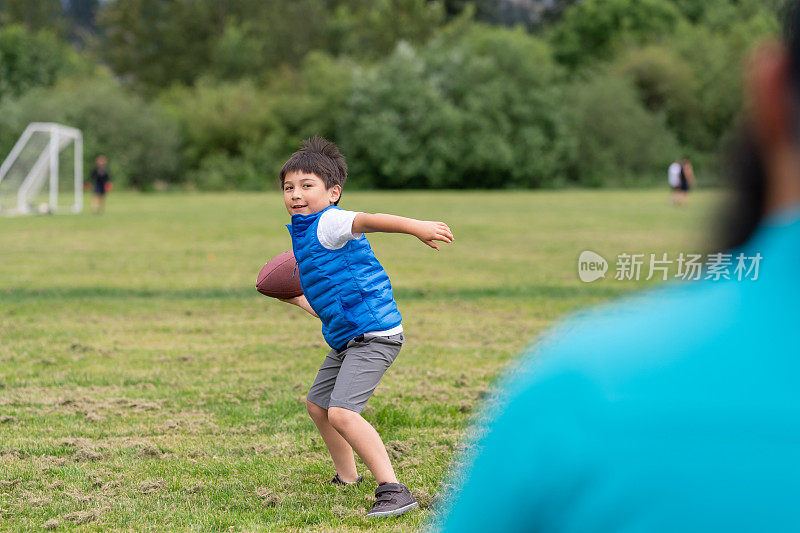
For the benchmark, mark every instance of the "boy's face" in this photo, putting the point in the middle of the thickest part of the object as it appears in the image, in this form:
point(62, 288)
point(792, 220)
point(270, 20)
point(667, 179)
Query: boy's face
point(304, 194)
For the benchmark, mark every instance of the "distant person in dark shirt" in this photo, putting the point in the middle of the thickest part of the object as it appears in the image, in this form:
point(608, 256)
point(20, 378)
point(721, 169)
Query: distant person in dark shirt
point(101, 182)
point(687, 176)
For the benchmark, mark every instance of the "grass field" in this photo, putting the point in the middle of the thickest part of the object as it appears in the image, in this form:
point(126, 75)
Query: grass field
point(145, 384)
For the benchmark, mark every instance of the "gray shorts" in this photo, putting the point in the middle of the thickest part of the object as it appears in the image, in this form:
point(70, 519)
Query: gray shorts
point(348, 378)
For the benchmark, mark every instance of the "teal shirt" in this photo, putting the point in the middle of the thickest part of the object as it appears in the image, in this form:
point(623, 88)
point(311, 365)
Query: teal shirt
point(675, 410)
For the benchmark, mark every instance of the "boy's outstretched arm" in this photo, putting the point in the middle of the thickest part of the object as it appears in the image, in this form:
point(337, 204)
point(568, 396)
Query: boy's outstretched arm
point(425, 230)
point(301, 302)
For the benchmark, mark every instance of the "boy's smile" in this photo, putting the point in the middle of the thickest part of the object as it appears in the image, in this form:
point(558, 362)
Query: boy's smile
point(305, 194)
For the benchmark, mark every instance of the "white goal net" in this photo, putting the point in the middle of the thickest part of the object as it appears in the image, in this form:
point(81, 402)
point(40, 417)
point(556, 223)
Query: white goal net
point(45, 164)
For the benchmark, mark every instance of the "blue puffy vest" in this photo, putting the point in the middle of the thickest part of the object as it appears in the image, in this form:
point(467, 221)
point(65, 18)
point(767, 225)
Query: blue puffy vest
point(347, 287)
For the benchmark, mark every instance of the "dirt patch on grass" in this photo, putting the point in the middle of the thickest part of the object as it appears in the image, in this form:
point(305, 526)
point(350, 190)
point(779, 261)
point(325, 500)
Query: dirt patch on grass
point(152, 486)
point(12, 454)
point(86, 455)
point(191, 421)
point(137, 405)
point(93, 416)
point(79, 497)
point(343, 512)
point(399, 449)
point(424, 498)
point(38, 501)
point(409, 462)
point(267, 496)
point(143, 449)
point(105, 482)
point(82, 517)
point(96, 408)
point(8, 486)
point(200, 487)
point(46, 462)
point(85, 449)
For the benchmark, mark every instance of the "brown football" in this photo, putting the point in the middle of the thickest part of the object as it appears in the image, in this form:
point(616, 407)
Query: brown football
point(280, 278)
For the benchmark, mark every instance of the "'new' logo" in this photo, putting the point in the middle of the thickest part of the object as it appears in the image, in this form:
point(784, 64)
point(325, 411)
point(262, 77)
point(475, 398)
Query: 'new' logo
point(591, 266)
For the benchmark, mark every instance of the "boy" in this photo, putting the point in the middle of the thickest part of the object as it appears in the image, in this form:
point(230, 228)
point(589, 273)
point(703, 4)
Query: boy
point(346, 287)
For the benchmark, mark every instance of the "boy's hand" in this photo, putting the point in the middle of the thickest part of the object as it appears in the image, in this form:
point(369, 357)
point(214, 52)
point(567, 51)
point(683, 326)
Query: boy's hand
point(428, 232)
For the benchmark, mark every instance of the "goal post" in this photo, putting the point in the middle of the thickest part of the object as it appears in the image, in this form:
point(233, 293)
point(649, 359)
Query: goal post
point(34, 164)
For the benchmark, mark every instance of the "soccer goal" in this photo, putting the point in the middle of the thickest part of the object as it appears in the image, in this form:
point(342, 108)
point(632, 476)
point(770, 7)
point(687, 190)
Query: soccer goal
point(36, 172)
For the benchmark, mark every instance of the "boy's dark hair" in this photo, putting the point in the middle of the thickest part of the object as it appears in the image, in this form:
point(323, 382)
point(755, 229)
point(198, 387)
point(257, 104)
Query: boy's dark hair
point(321, 157)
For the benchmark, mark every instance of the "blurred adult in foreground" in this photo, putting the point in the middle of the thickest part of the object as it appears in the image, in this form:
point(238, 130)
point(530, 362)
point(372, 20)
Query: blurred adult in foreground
point(622, 419)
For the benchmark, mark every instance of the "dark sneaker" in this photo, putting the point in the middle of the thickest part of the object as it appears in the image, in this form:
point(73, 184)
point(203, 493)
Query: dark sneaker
point(392, 499)
point(338, 481)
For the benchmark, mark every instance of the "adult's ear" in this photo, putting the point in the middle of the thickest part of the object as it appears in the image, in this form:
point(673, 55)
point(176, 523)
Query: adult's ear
point(769, 88)
point(774, 119)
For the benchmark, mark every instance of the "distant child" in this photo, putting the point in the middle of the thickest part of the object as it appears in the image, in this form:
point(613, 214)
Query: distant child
point(346, 287)
point(101, 183)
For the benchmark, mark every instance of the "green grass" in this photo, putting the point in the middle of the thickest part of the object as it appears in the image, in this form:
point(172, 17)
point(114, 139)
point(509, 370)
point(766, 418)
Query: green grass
point(145, 384)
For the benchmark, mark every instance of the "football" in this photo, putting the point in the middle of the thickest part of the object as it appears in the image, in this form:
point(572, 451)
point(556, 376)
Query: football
point(280, 278)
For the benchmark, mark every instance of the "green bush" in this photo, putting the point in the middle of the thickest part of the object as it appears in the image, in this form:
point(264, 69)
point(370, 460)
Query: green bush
point(141, 142)
point(29, 60)
point(219, 117)
point(477, 107)
point(398, 128)
point(666, 84)
point(716, 60)
point(256, 128)
point(373, 29)
point(595, 29)
point(507, 89)
point(618, 141)
point(220, 172)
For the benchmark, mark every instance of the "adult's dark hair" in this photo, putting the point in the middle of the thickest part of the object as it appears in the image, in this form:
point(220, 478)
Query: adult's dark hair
point(744, 209)
point(321, 157)
point(745, 165)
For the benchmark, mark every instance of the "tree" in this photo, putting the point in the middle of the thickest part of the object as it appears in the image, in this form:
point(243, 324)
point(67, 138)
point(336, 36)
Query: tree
point(619, 141)
point(592, 30)
point(35, 16)
point(29, 60)
point(372, 28)
point(155, 42)
point(476, 107)
point(666, 84)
